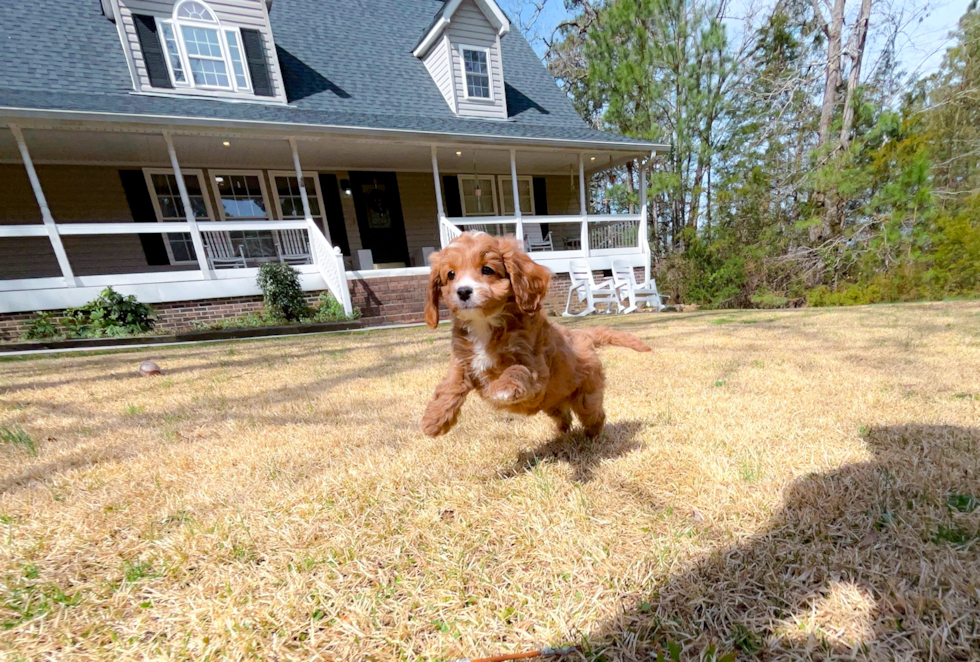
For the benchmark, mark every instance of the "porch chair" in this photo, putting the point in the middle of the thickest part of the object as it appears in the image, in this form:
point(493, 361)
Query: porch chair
point(221, 251)
point(583, 284)
point(633, 293)
point(291, 247)
point(533, 241)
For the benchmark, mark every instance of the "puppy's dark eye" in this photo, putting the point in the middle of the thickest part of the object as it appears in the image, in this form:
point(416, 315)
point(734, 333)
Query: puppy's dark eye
point(488, 271)
point(451, 274)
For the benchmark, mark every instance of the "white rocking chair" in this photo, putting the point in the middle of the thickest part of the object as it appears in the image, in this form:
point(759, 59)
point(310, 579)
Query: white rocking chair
point(633, 293)
point(221, 251)
point(291, 247)
point(533, 241)
point(583, 284)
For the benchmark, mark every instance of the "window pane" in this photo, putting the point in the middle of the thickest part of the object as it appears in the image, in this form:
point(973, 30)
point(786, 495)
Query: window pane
point(209, 72)
point(237, 62)
point(241, 196)
point(170, 208)
point(477, 74)
point(173, 52)
point(196, 11)
point(202, 41)
point(182, 247)
point(478, 198)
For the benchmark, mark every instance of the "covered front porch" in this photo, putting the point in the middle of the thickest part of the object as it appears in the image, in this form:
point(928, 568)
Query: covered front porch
point(171, 213)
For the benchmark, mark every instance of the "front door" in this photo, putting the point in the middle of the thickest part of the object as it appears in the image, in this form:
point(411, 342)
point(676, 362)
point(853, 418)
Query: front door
point(379, 216)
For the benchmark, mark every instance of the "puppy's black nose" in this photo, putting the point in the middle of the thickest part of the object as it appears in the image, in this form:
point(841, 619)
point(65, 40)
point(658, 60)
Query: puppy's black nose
point(464, 293)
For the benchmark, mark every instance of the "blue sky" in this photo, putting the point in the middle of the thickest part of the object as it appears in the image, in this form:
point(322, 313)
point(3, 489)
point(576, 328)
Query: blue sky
point(920, 47)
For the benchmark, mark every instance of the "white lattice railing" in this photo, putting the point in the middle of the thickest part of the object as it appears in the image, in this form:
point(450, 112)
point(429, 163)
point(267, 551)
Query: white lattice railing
point(329, 261)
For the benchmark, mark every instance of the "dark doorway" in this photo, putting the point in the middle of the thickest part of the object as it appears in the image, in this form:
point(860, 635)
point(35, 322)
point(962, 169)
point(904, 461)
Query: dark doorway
point(379, 216)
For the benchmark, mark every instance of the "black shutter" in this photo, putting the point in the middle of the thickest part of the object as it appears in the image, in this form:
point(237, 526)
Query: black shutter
point(541, 201)
point(141, 206)
point(454, 204)
point(258, 66)
point(152, 47)
point(334, 209)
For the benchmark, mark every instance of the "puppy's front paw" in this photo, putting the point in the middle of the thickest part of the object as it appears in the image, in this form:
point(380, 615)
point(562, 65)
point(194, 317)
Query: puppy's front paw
point(436, 422)
point(507, 391)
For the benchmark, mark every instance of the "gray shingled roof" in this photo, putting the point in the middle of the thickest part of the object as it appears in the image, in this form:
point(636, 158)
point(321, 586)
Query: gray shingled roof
point(346, 63)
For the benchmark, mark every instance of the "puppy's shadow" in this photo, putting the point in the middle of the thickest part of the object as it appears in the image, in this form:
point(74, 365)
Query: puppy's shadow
point(582, 453)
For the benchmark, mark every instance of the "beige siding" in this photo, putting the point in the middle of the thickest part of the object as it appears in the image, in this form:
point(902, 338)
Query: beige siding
point(471, 28)
point(418, 197)
point(231, 13)
point(438, 64)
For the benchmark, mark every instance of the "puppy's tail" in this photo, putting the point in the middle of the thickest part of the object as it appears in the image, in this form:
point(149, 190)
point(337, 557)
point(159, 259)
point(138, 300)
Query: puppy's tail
point(603, 335)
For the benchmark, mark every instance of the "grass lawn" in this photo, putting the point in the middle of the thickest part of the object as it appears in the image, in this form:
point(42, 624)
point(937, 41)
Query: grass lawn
point(792, 484)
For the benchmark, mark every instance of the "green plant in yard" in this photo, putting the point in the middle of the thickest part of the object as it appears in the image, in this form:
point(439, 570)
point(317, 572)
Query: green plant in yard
point(42, 325)
point(17, 436)
point(108, 315)
point(281, 291)
point(330, 310)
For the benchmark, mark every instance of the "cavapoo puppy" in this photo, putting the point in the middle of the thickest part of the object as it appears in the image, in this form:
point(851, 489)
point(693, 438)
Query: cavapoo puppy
point(503, 345)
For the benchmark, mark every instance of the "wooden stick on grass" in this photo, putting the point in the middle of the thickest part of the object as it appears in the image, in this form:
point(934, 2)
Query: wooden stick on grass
point(544, 652)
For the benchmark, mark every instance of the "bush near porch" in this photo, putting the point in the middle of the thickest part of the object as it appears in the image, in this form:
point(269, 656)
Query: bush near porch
point(791, 484)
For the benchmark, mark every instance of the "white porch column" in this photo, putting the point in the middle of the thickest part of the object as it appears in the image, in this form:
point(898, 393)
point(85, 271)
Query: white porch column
point(440, 211)
point(303, 195)
point(583, 204)
point(644, 234)
point(519, 228)
point(196, 239)
point(49, 224)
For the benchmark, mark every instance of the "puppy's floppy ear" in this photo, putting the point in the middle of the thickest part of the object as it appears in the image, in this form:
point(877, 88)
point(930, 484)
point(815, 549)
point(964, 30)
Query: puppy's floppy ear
point(432, 295)
point(528, 279)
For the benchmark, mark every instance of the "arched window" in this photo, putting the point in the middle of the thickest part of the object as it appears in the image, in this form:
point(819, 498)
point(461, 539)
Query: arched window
point(200, 53)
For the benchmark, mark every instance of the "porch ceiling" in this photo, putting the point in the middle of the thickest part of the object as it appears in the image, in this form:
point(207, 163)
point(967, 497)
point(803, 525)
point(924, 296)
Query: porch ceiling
point(207, 149)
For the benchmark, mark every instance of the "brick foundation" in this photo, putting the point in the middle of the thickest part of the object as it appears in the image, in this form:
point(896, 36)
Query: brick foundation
point(382, 301)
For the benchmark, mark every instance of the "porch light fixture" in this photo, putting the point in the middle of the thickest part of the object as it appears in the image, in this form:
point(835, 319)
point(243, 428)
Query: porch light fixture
point(345, 184)
point(591, 158)
point(219, 179)
point(459, 153)
point(228, 144)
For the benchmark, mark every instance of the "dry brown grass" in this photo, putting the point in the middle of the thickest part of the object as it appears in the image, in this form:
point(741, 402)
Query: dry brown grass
point(778, 484)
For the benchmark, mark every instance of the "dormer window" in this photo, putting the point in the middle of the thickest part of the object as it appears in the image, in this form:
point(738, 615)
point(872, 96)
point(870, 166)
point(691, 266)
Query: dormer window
point(200, 53)
point(476, 62)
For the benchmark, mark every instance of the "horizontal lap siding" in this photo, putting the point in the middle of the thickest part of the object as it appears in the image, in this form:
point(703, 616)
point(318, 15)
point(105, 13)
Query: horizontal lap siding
point(418, 196)
point(470, 27)
point(75, 194)
point(231, 13)
point(437, 62)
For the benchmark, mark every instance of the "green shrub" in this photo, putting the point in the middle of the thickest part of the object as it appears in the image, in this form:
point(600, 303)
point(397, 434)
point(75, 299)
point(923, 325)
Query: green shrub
point(248, 321)
point(281, 291)
point(42, 325)
point(330, 310)
point(110, 314)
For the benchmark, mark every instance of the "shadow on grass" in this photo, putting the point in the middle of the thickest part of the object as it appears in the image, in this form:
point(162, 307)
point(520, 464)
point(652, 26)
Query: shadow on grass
point(583, 454)
point(874, 560)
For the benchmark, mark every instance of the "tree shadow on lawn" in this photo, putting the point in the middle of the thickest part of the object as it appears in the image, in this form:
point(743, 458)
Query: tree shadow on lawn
point(583, 454)
point(119, 368)
point(876, 560)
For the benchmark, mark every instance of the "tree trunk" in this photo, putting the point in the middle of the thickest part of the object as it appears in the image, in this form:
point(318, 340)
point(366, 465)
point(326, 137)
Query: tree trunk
point(632, 188)
point(833, 79)
point(855, 50)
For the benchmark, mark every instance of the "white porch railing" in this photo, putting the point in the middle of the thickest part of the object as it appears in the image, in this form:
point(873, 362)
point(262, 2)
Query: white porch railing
point(575, 235)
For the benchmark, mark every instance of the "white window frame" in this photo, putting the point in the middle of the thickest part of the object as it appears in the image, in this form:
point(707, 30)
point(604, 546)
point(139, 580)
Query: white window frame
point(462, 65)
point(274, 191)
point(175, 24)
point(505, 185)
point(148, 176)
point(493, 193)
point(214, 173)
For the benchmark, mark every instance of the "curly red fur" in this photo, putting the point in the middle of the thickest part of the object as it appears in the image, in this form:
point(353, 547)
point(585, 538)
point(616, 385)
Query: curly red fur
point(504, 347)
